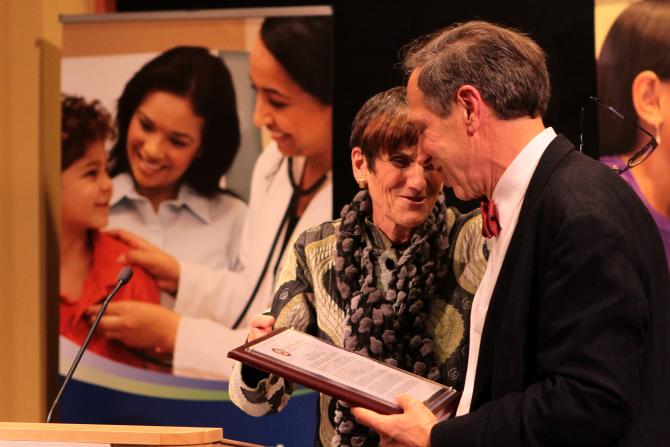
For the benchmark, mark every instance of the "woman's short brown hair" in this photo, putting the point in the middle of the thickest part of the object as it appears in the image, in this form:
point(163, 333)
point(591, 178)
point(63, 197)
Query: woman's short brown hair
point(382, 125)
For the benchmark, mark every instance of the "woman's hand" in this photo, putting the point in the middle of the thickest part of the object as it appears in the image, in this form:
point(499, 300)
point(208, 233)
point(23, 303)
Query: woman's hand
point(261, 324)
point(161, 265)
point(139, 325)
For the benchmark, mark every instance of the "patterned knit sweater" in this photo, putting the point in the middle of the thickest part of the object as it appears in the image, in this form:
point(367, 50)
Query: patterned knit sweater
point(307, 299)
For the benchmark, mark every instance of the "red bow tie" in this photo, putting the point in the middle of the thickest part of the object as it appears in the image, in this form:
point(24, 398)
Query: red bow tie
point(490, 220)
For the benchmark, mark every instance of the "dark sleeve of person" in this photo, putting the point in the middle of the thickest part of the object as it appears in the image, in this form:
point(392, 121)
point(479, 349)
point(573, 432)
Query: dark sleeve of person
point(585, 352)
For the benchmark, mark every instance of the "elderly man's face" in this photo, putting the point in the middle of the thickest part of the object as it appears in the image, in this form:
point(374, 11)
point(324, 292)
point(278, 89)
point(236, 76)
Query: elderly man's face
point(445, 139)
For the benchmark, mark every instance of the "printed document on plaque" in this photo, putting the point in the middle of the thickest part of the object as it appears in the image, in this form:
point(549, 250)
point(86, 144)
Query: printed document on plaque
point(348, 376)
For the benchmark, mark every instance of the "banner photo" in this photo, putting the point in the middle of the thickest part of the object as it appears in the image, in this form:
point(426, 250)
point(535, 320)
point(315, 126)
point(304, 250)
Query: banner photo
point(184, 136)
point(632, 43)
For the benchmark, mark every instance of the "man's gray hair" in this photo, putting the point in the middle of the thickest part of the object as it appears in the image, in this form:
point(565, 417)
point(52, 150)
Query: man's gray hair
point(507, 68)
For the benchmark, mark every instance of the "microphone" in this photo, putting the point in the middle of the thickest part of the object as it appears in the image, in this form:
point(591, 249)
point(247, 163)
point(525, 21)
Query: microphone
point(124, 277)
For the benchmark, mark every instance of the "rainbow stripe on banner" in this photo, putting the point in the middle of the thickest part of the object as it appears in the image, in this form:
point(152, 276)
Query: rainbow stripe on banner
point(107, 392)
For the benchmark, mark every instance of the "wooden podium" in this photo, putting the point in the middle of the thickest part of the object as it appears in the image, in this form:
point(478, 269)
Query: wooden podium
point(61, 435)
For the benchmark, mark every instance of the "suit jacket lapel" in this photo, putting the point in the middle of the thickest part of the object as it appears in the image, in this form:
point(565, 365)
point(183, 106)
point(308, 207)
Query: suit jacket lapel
point(549, 161)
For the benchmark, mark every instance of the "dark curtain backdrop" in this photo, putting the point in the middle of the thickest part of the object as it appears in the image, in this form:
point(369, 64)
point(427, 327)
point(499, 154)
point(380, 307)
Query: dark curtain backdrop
point(370, 33)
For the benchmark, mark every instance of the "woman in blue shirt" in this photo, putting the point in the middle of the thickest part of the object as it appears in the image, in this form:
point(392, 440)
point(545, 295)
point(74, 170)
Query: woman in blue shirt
point(178, 135)
point(291, 190)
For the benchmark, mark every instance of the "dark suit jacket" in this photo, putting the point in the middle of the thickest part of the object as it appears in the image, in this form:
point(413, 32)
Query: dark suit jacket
point(576, 342)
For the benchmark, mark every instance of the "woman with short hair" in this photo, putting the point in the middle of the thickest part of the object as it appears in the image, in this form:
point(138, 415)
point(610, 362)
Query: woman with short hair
point(392, 279)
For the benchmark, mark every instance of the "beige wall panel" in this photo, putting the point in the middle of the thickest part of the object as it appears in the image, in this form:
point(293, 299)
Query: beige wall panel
point(100, 38)
point(25, 307)
point(49, 196)
point(52, 29)
point(30, 128)
point(5, 223)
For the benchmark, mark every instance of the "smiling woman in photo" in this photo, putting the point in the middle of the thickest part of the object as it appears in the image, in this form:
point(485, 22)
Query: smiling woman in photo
point(291, 190)
point(178, 134)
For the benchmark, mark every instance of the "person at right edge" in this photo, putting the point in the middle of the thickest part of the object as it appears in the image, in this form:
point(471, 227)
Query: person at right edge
point(570, 327)
point(634, 77)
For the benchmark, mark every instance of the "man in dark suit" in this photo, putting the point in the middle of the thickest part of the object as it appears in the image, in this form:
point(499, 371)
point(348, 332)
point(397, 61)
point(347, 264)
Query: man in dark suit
point(570, 327)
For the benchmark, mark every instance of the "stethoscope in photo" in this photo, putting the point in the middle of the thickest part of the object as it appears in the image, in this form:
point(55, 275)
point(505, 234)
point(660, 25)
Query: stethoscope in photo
point(289, 221)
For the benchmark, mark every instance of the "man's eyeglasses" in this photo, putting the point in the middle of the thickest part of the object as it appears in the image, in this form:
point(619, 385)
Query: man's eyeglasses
point(640, 155)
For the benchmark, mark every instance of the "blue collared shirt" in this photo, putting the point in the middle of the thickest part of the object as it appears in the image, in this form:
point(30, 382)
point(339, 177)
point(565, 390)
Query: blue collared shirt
point(192, 228)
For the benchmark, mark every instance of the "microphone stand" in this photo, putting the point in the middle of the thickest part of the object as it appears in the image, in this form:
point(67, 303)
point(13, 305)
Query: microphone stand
point(124, 276)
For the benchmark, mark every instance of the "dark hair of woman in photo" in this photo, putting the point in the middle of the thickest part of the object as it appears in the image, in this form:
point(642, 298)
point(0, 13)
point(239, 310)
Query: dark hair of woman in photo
point(634, 78)
point(195, 74)
point(638, 40)
point(302, 45)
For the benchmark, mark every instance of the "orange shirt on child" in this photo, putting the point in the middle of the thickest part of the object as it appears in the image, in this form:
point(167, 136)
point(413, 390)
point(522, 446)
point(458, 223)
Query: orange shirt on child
point(100, 281)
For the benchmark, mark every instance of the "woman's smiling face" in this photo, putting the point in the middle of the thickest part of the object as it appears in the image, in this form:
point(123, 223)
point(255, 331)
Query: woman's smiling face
point(164, 137)
point(298, 122)
point(403, 188)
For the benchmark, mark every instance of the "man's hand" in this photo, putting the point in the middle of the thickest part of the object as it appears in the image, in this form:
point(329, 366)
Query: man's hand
point(160, 264)
point(410, 428)
point(260, 325)
point(139, 325)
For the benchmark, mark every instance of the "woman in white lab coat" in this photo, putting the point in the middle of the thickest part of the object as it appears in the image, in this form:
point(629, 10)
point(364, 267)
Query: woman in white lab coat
point(291, 190)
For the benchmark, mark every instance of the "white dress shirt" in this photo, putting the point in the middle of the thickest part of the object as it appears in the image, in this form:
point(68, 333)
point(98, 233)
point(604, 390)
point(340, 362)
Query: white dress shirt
point(508, 197)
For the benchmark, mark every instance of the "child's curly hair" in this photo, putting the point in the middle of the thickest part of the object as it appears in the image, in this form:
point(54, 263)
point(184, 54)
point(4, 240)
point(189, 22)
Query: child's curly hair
point(82, 124)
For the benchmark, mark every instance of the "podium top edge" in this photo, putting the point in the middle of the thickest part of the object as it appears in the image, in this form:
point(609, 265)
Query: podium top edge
point(114, 434)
